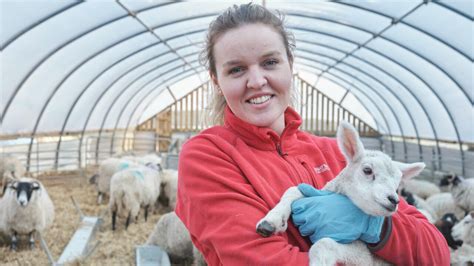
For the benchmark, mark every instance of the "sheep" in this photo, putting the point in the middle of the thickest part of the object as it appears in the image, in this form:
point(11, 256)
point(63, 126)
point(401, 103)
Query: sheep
point(445, 226)
point(131, 189)
point(443, 203)
point(462, 190)
point(421, 188)
point(420, 204)
point(463, 256)
point(464, 232)
point(10, 167)
point(173, 237)
point(169, 187)
point(375, 196)
point(27, 208)
point(106, 170)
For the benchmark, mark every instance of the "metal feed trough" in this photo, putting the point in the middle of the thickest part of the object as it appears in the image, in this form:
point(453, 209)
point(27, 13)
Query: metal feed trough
point(149, 255)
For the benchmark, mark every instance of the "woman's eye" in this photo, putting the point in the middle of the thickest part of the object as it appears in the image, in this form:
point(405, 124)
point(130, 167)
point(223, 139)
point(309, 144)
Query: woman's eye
point(270, 62)
point(235, 70)
point(367, 171)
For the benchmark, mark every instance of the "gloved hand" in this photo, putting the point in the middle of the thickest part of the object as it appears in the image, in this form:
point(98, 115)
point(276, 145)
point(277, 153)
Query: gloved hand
point(327, 214)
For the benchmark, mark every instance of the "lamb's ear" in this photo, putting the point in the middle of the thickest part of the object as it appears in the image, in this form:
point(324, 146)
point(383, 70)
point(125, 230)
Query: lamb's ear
point(410, 170)
point(349, 142)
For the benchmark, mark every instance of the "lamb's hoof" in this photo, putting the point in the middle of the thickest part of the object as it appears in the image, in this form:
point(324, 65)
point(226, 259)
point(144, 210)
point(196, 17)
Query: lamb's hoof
point(265, 229)
point(13, 247)
point(32, 246)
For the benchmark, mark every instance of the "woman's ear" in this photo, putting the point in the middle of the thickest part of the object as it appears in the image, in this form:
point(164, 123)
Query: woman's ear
point(214, 79)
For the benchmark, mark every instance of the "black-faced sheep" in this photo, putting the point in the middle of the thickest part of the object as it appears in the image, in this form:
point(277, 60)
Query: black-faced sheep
point(26, 209)
point(462, 190)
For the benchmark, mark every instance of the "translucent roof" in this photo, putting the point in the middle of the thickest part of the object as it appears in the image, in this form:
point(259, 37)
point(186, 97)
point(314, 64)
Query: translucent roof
point(76, 66)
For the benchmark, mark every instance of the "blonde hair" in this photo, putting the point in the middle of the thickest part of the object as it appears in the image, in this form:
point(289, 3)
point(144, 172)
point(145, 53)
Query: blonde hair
point(232, 18)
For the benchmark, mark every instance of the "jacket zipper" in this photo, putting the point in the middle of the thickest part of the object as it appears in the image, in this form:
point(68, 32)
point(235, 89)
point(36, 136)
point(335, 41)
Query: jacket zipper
point(292, 168)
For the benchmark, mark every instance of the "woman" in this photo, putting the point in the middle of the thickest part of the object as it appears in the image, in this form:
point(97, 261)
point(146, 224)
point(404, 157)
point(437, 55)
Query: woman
point(231, 175)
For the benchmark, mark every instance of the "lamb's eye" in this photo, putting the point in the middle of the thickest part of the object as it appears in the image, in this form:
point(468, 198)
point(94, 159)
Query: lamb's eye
point(367, 171)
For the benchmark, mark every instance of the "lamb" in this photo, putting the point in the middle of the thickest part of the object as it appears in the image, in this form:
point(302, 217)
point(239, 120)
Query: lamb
point(421, 188)
point(131, 189)
point(106, 170)
point(173, 237)
point(462, 190)
point(381, 199)
point(443, 203)
point(10, 167)
point(26, 209)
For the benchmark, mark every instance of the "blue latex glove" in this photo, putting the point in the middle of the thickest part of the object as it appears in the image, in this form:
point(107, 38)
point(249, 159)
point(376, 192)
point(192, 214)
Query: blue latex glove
point(327, 214)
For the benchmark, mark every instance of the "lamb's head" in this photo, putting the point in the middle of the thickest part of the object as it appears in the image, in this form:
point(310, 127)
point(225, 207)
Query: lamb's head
point(450, 180)
point(371, 178)
point(26, 190)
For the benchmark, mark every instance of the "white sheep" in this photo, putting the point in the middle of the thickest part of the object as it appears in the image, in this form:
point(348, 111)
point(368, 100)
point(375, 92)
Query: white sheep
point(107, 169)
point(173, 237)
point(375, 196)
point(421, 188)
point(464, 231)
point(131, 189)
point(420, 204)
point(462, 190)
point(10, 167)
point(169, 187)
point(27, 209)
point(443, 203)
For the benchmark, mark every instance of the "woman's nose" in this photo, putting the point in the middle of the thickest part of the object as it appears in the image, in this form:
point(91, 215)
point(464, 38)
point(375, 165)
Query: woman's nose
point(256, 79)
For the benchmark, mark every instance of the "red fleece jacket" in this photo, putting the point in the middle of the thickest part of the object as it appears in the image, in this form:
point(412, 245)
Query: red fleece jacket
point(230, 176)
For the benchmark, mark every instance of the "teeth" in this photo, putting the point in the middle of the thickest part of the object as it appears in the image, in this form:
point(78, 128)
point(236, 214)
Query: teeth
point(260, 99)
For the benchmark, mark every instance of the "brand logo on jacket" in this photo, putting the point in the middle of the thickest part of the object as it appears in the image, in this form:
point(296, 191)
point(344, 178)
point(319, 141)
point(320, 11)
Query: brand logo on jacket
point(322, 168)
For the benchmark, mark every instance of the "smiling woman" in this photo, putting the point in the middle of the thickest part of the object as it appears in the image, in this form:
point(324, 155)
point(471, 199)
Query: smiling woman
point(232, 174)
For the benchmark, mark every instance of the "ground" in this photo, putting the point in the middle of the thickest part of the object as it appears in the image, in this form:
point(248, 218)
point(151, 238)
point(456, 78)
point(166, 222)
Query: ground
point(115, 248)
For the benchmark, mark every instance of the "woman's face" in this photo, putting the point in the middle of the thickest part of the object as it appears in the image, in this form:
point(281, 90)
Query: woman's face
point(254, 74)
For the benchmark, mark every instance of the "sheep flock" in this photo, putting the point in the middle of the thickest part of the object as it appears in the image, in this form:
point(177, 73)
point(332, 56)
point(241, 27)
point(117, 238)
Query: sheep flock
point(448, 205)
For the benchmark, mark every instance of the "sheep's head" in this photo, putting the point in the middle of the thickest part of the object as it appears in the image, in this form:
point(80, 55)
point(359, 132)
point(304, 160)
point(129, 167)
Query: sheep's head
point(371, 178)
point(24, 190)
point(450, 180)
point(464, 230)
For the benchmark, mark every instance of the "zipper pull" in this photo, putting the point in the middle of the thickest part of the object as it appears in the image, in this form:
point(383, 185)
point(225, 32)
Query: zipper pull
point(279, 150)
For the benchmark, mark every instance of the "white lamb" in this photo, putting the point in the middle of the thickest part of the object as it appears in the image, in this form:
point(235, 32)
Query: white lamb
point(107, 169)
point(421, 188)
point(443, 203)
point(462, 190)
point(26, 209)
point(374, 195)
point(173, 237)
point(464, 231)
point(10, 167)
point(131, 189)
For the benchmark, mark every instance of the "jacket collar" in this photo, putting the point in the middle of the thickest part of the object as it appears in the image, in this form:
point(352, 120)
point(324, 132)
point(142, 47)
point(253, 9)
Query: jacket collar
point(261, 137)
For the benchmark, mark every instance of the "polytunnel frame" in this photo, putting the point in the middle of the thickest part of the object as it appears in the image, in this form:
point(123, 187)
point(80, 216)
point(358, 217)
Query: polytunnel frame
point(372, 11)
point(385, 86)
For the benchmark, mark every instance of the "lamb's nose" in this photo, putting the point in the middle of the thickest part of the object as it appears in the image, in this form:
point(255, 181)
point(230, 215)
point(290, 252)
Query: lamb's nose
point(393, 200)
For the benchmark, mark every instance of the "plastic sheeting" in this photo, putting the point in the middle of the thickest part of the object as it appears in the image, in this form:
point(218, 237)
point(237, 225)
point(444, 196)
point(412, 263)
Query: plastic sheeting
point(78, 66)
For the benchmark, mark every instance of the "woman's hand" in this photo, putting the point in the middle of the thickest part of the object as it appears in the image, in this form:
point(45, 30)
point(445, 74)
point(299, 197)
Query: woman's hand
point(327, 214)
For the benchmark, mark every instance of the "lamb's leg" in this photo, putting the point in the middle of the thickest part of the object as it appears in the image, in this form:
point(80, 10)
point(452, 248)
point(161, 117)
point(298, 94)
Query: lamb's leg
point(127, 223)
point(14, 244)
point(114, 217)
point(146, 211)
point(32, 240)
point(99, 198)
point(328, 252)
point(276, 220)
